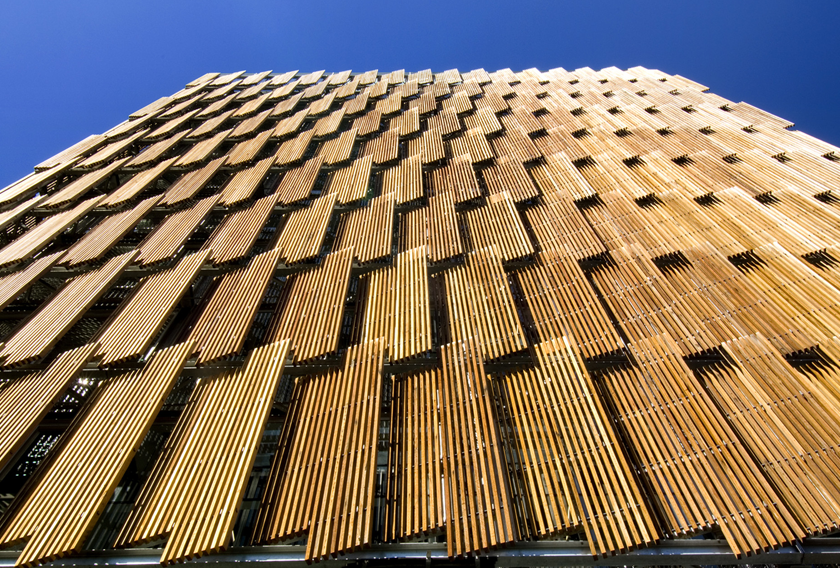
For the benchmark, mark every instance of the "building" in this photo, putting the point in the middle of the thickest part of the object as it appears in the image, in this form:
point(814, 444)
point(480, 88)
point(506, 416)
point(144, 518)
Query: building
point(283, 317)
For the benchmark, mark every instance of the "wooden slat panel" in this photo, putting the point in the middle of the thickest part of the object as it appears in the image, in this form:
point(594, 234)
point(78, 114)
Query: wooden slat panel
point(498, 224)
point(107, 233)
point(337, 150)
point(335, 432)
point(168, 237)
point(187, 186)
point(25, 401)
point(480, 305)
point(133, 327)
point(562, 303)
point(384, 148)
point(311, 307)
point(558, 225)
point(247, 150)
point(699, 472)
point(44, 232)
point(245, 183)
point(457, 178)
point(235, 235)
point(297, 183)
point(369, 229)
point(77, 188)
point(396, 306)
point(352, 182)
point(479, 508)
point(790, 429)
point(208, 459)
point(305, 230)
point(294, 149)
point(75, 482)
point(14, 284)
point(416, 498)
point(508, 175)
point(202, 151)
point(230, 307)
point(405, 180)
point(112, 150)
point(136, 185)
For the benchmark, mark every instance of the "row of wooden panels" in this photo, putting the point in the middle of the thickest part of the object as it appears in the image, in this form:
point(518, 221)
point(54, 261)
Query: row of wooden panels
point(624, 457)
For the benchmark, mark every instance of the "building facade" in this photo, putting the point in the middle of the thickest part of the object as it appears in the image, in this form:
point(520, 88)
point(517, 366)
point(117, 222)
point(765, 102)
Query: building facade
point(537, 317)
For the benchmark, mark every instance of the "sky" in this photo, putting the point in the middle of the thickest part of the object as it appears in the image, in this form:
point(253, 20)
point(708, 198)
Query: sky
point(72, 69)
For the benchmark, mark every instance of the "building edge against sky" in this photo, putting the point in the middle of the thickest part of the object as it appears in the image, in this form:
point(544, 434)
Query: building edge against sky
point(292, 316)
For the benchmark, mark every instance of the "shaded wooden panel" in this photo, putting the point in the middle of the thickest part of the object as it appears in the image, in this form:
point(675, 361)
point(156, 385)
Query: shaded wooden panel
point(170, 235)
point(562, 303)
point(73, 484)
point(112, 150)
point(498, 224)
point(136, 185)
point(429, 146)
point(416, 499)
point(559, 174)
point(156, 151)
point(188, 185)
point(511, 176)
point(457, 177)
point(202, 151)
point(481, 517)
point(78, 187)
point(338, 149)
point(334, 432)
point(25, 401)
point(130, 331)
point(369, 229)
point(480, 305)
point(352, 182)
point(698, 471)
point(383, 148)
point(106, 234)
point(305, 230)
point(789, 427)
point(245, 183)
point(396, 306)
point(291, 124)
point(330, 123)
point(219, 431)
point(298, 182)
point(229, 308)
point(44, 232)
point(15, 283)
point(311, 307)
point(294, 149)
point(405, 180)
point(247, 150)
point(235, 235)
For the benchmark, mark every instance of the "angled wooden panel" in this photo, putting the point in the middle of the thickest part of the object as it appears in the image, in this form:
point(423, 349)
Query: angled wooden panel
point(457, 178)
point(77, 188)
point(298, 182)
point(416, 501)
point(14, 284)
point(498, 224)
point(235, 235)
point(790, 428)
point(336, 150)
point(481, 516)
point(511, 176)
point(173, 231)
point(480, 305)
point(136, 185)
point(26, 400)
point(700, 473)
point(351, 183)
point(369, 229)
point(405, 180)
point(244, 183)
point(75, 482)
point(396, 305)
point(106, 234)
point(130, 331)
point(335, 431)
point(44, 232)
point(229, 308)
point(42, 330)
point(311, 307)
point(305, 229)
point(562, 303)
point(188, 185)
point(218, 433)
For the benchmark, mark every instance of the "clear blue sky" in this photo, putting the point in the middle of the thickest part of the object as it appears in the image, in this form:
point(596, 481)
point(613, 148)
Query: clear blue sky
point(71, 69)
